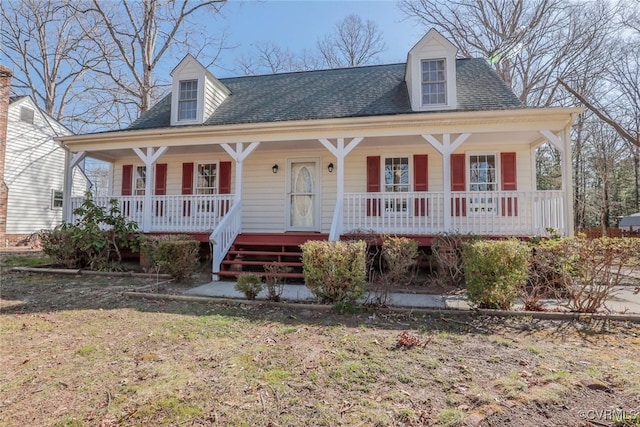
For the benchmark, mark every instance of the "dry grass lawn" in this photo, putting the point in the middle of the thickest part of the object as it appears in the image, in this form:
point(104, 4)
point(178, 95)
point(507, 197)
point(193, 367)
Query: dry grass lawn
point(75, 352)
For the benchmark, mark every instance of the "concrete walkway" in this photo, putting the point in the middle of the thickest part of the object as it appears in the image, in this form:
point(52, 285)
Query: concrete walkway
point(624, 300)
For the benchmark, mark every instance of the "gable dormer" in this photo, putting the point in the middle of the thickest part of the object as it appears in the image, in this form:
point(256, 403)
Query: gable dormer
point(431, 73)
point(195, 93)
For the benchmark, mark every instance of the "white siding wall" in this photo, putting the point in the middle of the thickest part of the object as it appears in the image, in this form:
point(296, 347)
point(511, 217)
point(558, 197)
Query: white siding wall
point(212, 97)
point(34, 167)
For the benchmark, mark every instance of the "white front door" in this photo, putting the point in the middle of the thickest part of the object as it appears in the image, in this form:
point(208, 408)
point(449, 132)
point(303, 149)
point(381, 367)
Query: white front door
point(303, 205)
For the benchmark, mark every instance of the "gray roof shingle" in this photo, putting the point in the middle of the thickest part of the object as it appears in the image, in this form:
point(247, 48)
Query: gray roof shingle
point(347, 92)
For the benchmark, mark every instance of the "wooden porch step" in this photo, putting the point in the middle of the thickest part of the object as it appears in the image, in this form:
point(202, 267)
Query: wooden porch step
point(264, 253)
point(229, 273)
point(243, 262)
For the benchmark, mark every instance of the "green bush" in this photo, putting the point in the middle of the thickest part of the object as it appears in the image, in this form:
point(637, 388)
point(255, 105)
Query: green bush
point(249, 284)
point(174, 254)
point(95, 240)
point(335, 271)
point(549, 272)
point(495, 271)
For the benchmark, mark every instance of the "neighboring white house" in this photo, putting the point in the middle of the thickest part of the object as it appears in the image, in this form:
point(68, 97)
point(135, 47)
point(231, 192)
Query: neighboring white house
point(436, 144)
point(33, 171)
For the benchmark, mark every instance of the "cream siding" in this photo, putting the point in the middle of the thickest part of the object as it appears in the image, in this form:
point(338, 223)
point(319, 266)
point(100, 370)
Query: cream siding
point(34, 168)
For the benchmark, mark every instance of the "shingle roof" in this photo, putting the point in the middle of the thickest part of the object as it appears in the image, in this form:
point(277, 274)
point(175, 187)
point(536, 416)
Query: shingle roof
point(347, 92)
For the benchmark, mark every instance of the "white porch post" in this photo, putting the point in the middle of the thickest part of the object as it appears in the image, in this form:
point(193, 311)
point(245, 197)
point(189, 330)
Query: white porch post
point(149, 159)
point(71, 161)
point(340, 152)
point(563, 145)
point(239, 154)
point(446, 148)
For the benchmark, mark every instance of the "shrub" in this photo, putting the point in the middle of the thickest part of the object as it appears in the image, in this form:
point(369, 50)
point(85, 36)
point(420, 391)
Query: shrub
point(549, 275)
point(446, 249)
point(494, 271)
point(399, 255)
point(596, 267)
point(374, 259)
point(249, 284)
point(274, 281)
point(174, 254)
point(95, 240)
point(335, 271)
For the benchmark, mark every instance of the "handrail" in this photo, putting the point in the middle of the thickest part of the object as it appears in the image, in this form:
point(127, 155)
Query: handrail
point(222, 237)
point(336, 223)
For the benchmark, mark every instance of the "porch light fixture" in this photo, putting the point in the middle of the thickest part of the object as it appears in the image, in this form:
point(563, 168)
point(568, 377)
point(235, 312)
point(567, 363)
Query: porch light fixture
point(274, 168)
point(330, 167)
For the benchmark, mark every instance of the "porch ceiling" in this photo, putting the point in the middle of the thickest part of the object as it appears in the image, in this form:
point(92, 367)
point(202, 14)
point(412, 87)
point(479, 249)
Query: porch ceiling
point(519, 138)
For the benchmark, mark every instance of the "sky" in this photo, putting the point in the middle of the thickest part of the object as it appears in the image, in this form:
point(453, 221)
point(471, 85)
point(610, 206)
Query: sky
point(297, 25)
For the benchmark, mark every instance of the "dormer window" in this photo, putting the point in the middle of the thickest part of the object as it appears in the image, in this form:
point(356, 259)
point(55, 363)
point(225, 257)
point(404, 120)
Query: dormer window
point(431, 74)
point(434, 82)
point(188, 100)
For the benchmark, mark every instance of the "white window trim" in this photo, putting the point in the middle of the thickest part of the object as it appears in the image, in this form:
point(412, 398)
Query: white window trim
point(383, 185)
point(195, 175)
point(175, 97)
point(53, 198)
point(446, 84)
point(496, 155)
point(180, 82)
point(134, 187)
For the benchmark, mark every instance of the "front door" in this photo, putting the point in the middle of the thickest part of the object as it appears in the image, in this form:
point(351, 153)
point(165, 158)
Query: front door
point(303, 206)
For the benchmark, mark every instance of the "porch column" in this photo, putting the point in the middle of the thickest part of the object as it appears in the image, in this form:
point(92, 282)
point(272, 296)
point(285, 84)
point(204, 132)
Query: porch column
point(340, 152)
point(149, 159)
point(446, 148)
point(239, 154)
point(71, 161)
point(563, 145)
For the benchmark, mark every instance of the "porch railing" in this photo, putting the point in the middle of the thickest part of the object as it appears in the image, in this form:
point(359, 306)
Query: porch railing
point(181, 213)
point(485, 213)
point(223, 236)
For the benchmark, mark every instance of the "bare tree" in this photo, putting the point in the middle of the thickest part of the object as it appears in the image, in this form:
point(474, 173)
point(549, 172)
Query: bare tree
point(353, 43)
point(271, 58)
point(48, 49)
point(530, 43)
point(137, 34)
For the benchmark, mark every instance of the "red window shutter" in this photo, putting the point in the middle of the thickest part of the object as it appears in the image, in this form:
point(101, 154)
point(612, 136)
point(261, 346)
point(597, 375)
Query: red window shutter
point(458, 183)
point(225, 185)
point(509, 173)
point(161, 179)
point(420, 182)
point(187, 178)
point(187, 187)
point(509, 181)
point(225, 178)
point(373, 184)
point(160, 187)
point(127, 179)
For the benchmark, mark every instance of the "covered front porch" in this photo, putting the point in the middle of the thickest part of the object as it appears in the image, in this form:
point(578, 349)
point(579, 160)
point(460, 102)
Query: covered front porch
point(416, 175)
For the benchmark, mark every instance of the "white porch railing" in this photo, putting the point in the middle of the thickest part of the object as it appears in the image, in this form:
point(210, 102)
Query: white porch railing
point(182, 213)
point(399, 213)
point(223, 236)
point(512, 213)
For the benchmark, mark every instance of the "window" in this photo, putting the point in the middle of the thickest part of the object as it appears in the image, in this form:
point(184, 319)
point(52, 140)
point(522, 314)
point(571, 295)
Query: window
point(396, 180)
point(188, 100)
point(206, 178)
point(26, 115)
point(56, 199)
point(433, 82)
point(482, 177)
point(140, 180)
